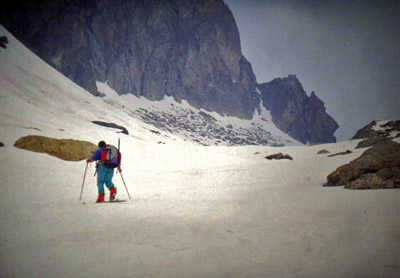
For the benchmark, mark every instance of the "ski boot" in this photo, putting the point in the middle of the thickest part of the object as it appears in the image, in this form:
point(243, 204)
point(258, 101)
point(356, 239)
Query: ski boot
point(100, 199)
point(113, 192)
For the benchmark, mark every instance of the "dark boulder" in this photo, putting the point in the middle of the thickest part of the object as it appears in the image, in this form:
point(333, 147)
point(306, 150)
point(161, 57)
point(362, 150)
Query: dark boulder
point(279, 156)
point(66, 149)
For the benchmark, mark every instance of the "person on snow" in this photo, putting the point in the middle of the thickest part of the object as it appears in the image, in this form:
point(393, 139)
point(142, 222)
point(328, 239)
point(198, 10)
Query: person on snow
point(104, 174)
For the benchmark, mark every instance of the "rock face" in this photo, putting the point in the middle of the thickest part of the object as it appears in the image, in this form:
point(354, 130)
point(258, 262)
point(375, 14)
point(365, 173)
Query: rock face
point(303, 118)
point(376, 168)
point(186, 49)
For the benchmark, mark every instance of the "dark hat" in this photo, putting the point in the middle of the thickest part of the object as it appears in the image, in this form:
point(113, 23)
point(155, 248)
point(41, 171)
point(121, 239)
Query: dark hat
point(101, 144)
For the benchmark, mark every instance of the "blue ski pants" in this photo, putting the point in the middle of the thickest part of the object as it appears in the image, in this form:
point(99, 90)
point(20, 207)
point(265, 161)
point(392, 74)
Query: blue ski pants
point(104, 176)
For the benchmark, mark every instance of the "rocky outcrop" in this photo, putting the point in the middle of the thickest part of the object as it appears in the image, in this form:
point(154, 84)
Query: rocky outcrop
point(303, 118)
point(376, 168)
point(340, 153)
point(386, 129)
point(121, 129)
point(186, 49)
point(66, 149)
point(279, 156)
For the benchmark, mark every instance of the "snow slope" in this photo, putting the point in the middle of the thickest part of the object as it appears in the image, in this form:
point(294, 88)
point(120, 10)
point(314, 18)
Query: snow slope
point(198, 125)
point(195, 211)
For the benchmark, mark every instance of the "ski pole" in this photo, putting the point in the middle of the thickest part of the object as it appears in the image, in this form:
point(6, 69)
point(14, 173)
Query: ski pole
point(97, 168)
point(125, 185)
point(83, 182)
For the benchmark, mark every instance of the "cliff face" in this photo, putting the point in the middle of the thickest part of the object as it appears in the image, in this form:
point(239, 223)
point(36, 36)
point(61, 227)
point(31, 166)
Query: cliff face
point(303, 118)
point(186, 49)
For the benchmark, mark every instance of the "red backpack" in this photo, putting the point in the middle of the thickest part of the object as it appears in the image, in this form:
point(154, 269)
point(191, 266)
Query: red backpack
point(110, 156)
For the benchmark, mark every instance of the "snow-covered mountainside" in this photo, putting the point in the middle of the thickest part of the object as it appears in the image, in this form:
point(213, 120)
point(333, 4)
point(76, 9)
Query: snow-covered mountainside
point(199, 126)
point(34, 93)
point(196, 211)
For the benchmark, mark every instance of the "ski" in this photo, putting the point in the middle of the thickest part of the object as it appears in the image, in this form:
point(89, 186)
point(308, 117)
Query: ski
point(114, 201)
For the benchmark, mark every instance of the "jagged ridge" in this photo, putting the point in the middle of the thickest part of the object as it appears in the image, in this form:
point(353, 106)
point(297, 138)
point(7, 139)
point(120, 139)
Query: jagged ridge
point(303, 118)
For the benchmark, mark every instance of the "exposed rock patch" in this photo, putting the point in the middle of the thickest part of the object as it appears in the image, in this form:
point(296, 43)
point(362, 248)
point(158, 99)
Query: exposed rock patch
point(3, 42)
point(279, 156)
point(323, 152)
point(341, 153)
point(203, 128)
point(66, 149)
point(376, 168)
point(112, 125)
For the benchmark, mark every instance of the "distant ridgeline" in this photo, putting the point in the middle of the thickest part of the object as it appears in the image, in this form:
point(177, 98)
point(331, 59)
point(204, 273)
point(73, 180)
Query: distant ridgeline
point(189, 50)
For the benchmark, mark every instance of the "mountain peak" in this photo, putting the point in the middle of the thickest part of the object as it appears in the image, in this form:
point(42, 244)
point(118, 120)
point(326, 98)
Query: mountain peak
point(303, 118)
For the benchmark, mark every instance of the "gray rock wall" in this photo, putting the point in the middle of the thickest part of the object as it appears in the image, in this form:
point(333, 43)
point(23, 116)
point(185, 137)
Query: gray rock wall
point(303, 118)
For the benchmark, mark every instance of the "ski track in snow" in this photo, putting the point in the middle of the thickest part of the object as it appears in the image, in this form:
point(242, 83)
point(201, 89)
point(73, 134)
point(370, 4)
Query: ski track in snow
point(195, 211)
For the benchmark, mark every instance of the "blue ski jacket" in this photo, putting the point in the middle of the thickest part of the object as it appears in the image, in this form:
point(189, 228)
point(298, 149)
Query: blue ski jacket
point(97, 154)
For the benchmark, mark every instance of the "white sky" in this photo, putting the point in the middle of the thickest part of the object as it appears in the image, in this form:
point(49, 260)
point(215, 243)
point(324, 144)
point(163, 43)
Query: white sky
point(347, 52)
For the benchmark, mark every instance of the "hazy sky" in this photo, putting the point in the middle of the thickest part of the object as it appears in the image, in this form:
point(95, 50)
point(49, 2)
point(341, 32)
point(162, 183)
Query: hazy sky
point(347, 52)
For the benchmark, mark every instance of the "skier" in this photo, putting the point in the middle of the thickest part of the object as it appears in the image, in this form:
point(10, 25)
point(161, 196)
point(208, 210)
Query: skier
point(104, 174)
